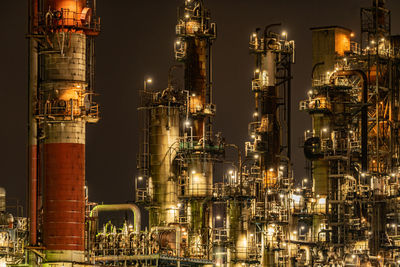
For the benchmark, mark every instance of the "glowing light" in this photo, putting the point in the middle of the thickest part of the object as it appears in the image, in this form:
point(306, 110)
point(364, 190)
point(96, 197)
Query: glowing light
point(187, 123)
point(295, 232)
point(256, 156)
point(218, 217)
point(271, 170)
point(193, 172)
point(255, 114)
point(373, 42)
point(193, 94)
point(302, 228)
point(140, 178)
point(352, 34)
point(179, 205)
point(271, 230)
point(327, 73)
point(383, 39)
point(393, 226)
point(322, 201)
point(281, 168)
point(353, 256)
point(305, 180)
point(325, 130)
point(363, 174)
point(78, 86)
point(296, 199)
point(149, 80)
point(187, 16)
point(281, 195)
point(178, 42)
point(230, 172)
point(130, 226)
point(310, 92)
point(253, 136)
point(284, 33)
point(257, 70)
point(254, 35)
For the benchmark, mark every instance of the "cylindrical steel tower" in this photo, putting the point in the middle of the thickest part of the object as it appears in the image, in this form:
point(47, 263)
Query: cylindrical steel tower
point(163, 142)
point(193, 47)
point(61, 89)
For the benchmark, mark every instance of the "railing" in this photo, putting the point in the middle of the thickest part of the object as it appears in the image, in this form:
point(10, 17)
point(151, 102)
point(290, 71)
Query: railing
point(67, 18)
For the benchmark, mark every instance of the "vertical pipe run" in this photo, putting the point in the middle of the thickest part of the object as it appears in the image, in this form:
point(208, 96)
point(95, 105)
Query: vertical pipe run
point(32, 123)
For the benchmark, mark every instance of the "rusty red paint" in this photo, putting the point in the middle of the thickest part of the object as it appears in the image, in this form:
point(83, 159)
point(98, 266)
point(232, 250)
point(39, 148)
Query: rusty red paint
point(64, 196)
point(33, 193)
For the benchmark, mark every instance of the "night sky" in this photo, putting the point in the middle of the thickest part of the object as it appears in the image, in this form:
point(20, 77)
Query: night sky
point(137, 41)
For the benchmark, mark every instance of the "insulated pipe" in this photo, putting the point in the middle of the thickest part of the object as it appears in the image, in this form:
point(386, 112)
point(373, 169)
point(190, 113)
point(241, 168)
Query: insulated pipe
point(32, 123)
point(119, 207)
point(364, 114)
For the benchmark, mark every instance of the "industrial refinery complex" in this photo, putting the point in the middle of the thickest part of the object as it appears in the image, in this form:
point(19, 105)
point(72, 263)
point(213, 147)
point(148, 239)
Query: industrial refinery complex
point(193, 204)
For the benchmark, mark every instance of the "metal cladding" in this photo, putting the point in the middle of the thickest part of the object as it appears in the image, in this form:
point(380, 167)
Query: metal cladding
point(64, 181)
point(61, 89)
point(164, 132)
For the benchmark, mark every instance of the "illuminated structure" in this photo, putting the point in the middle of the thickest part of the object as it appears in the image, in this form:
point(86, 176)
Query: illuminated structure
point(256, 214)
point(61, 85)
point(351, 216)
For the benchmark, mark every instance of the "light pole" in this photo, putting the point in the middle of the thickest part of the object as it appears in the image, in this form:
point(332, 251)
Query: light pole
point(303, 182)
point(147, 81)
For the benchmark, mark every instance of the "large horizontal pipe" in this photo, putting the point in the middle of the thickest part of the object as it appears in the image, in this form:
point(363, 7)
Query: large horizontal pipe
point(119, 207)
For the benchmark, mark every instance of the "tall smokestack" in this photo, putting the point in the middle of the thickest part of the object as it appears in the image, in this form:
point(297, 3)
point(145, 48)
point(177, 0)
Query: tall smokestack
point(62, 105)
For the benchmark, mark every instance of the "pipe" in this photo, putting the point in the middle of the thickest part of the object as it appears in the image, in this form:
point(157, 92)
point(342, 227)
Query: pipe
point(119, 207)
point(364, 114)
point(32, 124)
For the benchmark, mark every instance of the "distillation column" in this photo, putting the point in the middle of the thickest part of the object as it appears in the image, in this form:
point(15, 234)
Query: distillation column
point(163, 143)
point(193, 47)
point(268, 154)
point(64, 106)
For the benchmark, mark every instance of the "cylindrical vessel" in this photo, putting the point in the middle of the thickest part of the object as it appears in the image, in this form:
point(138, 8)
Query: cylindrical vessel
point(164, 140)
point(270, 131)
point(64, 103)
point(196, 81)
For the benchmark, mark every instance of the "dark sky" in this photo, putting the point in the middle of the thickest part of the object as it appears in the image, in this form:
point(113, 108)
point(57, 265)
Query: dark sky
point(137, 40)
